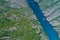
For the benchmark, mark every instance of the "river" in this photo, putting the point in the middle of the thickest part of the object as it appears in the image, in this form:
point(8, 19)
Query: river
point(48, 28)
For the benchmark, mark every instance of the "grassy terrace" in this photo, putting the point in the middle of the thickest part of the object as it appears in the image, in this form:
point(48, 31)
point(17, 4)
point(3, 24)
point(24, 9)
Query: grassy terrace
point(15, 26)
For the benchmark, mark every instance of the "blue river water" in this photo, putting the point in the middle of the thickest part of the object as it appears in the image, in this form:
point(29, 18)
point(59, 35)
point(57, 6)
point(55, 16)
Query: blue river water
point(48, 28)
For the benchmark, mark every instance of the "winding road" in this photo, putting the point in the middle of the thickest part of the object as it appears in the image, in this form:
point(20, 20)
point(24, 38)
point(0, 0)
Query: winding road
point(48, 28)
